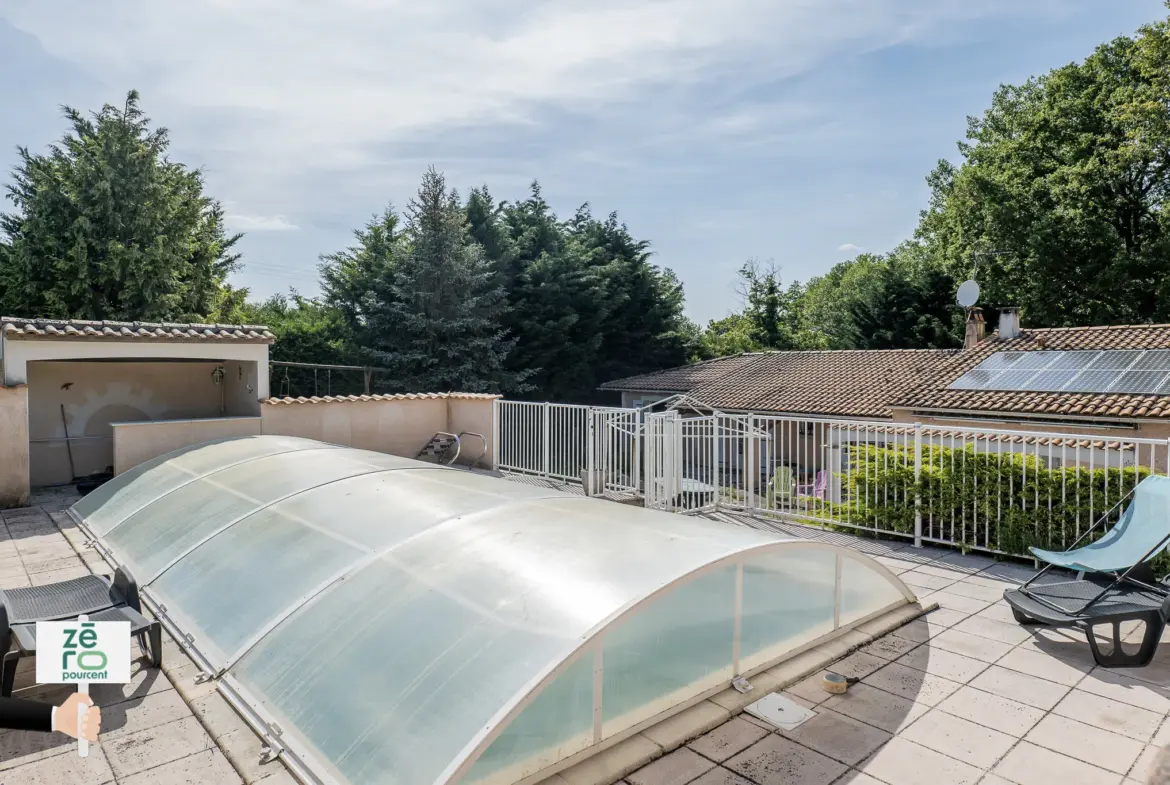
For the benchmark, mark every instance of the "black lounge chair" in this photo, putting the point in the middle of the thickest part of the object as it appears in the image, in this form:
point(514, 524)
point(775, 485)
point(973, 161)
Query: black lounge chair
point(103, 598)
point(1115, 581)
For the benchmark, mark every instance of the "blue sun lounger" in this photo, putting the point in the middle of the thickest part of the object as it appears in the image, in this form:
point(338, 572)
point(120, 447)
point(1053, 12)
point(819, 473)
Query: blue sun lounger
point(1142, 533)
point(1115, 582)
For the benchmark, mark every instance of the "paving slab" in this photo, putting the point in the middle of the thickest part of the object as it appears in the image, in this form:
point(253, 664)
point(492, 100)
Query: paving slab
point(956, 602)
point(1020, 687)
point(859, 664)
point(999, 611)
point(889, 647)
point(959, 738)
point(927, 583)
point(916, 685)
point(59, 769)
point(775, 760)
point(839, 737)
point(992, 711)
point(1102, 748)
point(140, 714)
point(1109, 715)
point(721, 776)
point(940, 662)
point(810, 689)
point(146, 749)
point(1122, 687)
point(729, 739)
point(1146, 767)
point(686, 725)
point(1013, 634)
point(876, 707)
point(21, 748)
point(675, 768)
point(978, 591)
point(1028, 764)
point(197, 769)
point(1044, 666)
point(906, 763)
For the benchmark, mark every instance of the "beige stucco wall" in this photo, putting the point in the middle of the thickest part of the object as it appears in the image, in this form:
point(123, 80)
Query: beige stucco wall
point(398, 427)
point(473, 416)
point(14, 484)
point(137, 442)
point(241, 384)
point(18, 355)
point(394, 426)
point(96, 394)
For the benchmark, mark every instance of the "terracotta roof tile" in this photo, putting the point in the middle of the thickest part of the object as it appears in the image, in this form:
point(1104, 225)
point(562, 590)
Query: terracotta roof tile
point(833, 383)
point(683, 378)
point(454, 396)
point(933, 394)
point(76, 329)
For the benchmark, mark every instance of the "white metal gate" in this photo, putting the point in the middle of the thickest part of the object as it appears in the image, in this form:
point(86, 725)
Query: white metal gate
point(685, 460)
point(616, 441)
point(663, 480)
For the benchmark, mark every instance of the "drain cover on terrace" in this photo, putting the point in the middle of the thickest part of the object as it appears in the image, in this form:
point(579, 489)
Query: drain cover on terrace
point(777, 710)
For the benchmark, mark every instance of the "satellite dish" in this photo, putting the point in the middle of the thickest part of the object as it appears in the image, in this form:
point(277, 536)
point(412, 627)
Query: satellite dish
point(968, 294)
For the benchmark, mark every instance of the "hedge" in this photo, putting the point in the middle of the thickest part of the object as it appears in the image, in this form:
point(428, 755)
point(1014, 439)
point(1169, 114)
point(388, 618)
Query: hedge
point(1002, 501)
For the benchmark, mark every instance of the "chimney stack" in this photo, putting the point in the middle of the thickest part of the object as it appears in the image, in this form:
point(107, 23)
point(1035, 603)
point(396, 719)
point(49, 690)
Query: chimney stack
point(1009, 324)
point(975, 328)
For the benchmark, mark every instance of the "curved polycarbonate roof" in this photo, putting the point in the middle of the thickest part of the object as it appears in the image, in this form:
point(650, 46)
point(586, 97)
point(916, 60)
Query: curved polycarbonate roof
point(392, 622)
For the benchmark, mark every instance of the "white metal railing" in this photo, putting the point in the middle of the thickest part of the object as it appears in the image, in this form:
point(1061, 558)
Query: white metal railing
point(599, 447)
point(986, 489)
point(991, 490)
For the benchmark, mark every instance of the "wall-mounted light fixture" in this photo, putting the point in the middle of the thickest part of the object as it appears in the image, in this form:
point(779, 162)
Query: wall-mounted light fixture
point(217, 378)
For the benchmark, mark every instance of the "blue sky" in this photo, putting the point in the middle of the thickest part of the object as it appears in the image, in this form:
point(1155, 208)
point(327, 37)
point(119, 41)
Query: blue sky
point(793, 130)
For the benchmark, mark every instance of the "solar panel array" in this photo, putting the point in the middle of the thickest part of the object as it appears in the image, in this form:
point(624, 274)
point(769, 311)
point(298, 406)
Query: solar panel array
point(1123, 371)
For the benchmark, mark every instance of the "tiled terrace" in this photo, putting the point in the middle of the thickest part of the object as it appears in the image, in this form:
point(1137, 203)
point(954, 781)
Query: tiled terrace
point(152, 733)
point(964, 695)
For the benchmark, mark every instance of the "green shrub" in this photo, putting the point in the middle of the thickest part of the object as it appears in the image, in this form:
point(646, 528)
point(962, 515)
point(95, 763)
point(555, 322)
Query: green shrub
point(1002, 501)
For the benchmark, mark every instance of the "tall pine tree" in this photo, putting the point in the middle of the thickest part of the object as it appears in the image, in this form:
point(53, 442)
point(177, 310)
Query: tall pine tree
point(355, 281)
point(437, 327)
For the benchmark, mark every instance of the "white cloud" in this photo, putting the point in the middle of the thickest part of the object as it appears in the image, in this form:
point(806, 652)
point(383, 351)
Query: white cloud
point(258, 223)
point(329, 109)
point(300, 83)
point(850, 248)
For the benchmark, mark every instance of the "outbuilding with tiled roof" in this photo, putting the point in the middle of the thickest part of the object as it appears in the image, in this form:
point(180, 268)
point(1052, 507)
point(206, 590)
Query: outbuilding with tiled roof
point(65, 384)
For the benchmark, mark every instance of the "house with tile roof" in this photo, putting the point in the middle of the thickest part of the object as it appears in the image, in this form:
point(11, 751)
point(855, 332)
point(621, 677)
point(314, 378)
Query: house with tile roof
point(853, 384)
point(924, 385)
point(793, 387)
point(1091, 381)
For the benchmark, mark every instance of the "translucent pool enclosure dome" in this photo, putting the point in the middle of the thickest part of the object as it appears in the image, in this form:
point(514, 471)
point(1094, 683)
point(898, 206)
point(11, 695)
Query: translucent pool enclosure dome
point(386, 621)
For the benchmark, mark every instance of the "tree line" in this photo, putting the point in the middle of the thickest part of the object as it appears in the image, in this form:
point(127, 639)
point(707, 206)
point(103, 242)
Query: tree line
point(1058, 206)
point(472, 294)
